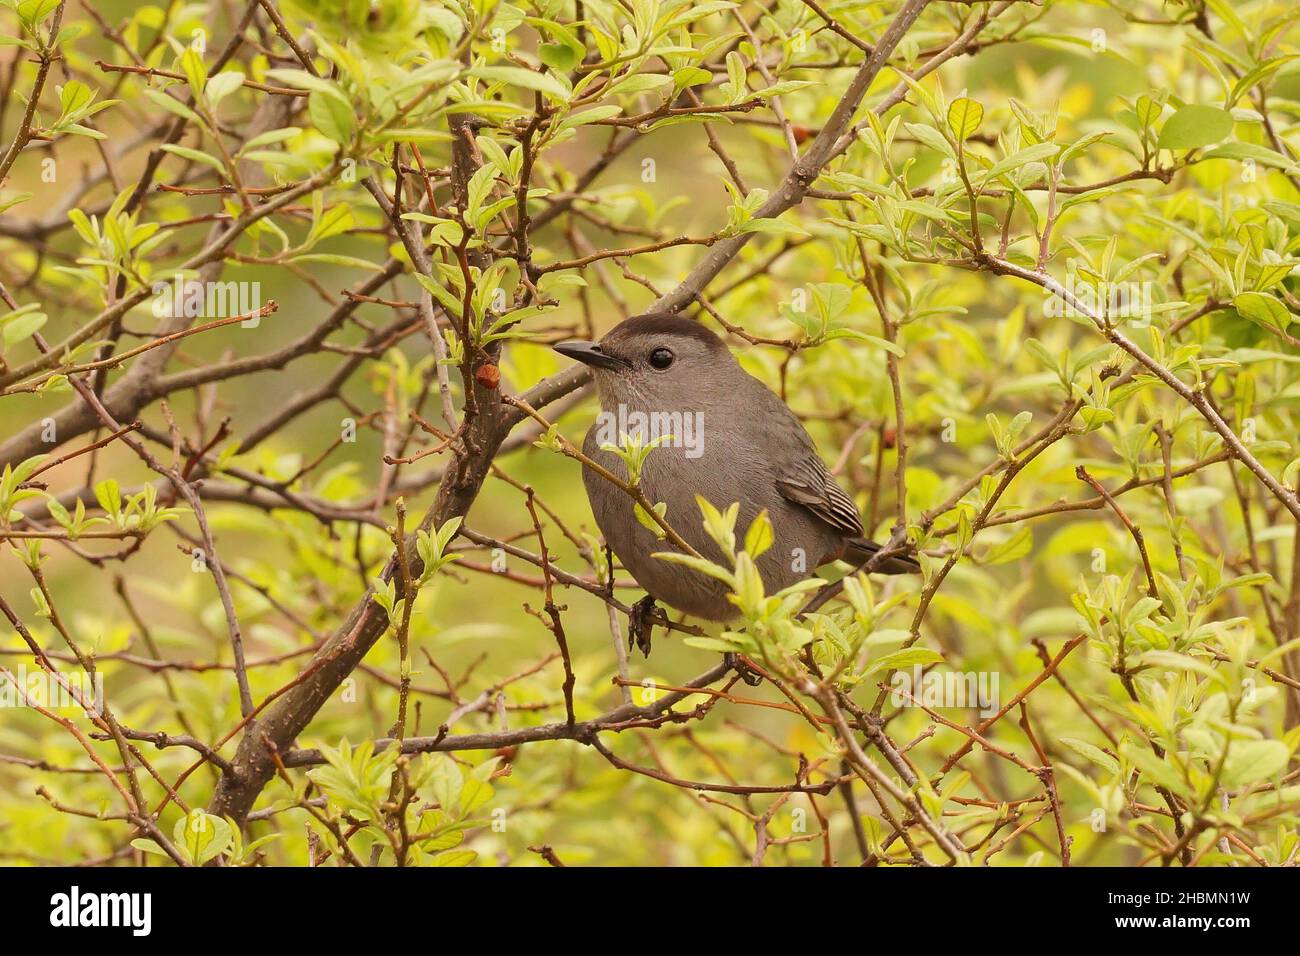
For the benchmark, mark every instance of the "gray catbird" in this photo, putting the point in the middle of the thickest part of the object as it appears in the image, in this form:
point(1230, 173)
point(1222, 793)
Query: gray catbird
point(732, 440)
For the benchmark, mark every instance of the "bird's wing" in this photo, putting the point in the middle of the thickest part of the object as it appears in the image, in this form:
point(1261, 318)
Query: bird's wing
point(807, 482)
point(801, 476)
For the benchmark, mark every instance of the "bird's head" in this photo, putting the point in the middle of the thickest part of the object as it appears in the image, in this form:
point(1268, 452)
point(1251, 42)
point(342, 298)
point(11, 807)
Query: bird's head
point(655, 361)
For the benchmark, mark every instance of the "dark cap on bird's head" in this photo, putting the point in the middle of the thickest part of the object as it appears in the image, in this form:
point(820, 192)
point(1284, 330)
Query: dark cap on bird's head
point(654, 342)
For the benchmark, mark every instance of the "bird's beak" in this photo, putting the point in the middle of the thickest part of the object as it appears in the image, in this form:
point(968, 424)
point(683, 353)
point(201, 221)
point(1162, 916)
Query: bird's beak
point(589, 353)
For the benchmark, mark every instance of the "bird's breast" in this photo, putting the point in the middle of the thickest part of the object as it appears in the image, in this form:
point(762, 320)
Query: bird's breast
point(720, 470)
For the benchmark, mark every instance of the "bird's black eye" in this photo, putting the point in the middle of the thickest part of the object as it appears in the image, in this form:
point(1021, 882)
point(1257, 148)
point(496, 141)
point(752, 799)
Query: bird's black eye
point(661, 358)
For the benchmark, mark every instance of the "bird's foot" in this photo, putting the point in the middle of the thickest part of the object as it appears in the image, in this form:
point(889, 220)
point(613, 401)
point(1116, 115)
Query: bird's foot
point(640, 621)
point(743, 670)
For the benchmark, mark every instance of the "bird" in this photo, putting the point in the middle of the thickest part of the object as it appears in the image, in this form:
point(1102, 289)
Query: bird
point(736, 442)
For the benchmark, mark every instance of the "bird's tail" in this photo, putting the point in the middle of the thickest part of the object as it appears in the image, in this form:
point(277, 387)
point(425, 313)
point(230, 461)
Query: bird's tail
point(860, 550)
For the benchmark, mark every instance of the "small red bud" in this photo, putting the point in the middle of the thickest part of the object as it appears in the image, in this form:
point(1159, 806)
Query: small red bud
point(489, 376)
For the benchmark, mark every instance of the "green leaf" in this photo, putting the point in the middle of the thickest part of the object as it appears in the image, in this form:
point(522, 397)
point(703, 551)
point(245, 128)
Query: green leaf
point(24, 326)
point(1017, 546)
point(271, 137)
point(1148, 110)
point(1092, 753)
point(760, 536)
point(544, 83)
point(643, 82)
point(175, 106)
point(703, 565)
point(780, 89)
point(908, 657)
point(1195, 125)
point(1258, 74)
point(587, 117)
point(1251, 761)
point(14, 201)
point(302, 80)
point(964, 118)
point(1264, 309)
point(772, 227)
point(559, 56)
point(148, 846)
point(109, 496)
point(454, 858)
point(1033, 154)
point(474, 794)
point(735, 76)
point(931, 137)
point(74, 97)
point(446, 781)
point(335, 259)
point(1260, 154)
point(191, 64)
point(195, 155)
point(649, 523)
point(222, 85)
point(926, 209)
point(709, 644)
point(332, 117)
point(1156, 771)
point(1181, 662)
point(202, 836)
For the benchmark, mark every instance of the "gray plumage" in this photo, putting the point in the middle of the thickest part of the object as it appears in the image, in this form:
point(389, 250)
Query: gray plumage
point(751, 449)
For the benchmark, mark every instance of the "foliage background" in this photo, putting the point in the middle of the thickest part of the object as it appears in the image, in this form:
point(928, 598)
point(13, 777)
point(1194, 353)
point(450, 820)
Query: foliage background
point(1177, 699)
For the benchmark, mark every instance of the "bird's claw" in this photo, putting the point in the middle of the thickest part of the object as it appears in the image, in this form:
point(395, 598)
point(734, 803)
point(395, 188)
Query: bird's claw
point(743, 670)
point(642, 617)
point(640, 622)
